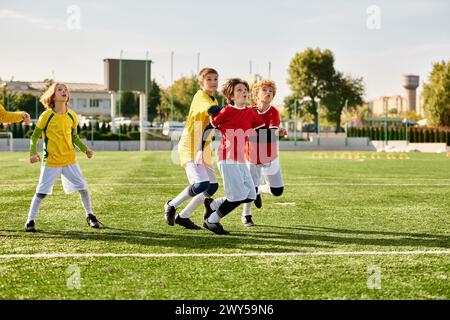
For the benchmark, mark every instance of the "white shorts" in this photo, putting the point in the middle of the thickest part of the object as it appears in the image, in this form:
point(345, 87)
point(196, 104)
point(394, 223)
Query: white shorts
point(237, 181)
point(271, 172)
point(197, 173)
point(72, 179)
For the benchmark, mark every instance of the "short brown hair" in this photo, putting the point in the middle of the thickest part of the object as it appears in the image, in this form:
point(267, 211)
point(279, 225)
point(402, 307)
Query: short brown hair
point(48, 98)
point(228, 88)
point(268, 83)
point(204, 72)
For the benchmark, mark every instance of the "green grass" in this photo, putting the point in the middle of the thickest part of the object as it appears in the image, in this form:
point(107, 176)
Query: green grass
point(331, 203)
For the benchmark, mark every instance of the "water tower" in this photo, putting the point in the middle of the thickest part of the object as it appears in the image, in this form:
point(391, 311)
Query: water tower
point(410, 83)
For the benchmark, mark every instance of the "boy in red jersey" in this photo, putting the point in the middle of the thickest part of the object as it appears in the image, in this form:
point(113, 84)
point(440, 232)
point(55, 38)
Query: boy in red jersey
point(262, 150)
point(236, 122)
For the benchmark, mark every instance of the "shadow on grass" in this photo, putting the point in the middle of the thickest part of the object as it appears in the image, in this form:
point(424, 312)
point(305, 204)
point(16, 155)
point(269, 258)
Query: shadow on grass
point(261, 238)
point(199, 239)
point(383, 238)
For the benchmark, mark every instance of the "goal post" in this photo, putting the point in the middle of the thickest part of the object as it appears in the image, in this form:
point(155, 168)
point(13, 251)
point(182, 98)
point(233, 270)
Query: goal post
point(9, 137)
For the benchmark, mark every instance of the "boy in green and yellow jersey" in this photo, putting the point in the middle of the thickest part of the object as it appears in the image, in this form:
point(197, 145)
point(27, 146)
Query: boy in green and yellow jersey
point(58, 128)
point(195, 159)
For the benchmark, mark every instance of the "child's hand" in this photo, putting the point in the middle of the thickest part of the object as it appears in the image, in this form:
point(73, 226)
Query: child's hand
point(89, 153)
point(35, 158)
point(199, 158)
point(26, 118)
point(282, 132)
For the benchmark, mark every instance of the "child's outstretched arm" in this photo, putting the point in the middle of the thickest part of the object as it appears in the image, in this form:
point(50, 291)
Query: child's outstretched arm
point(76, 140)
point(10, 117)
point(34, 156)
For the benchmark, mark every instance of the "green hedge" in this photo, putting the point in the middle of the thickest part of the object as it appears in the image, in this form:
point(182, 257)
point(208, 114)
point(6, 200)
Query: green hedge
point(415, 134)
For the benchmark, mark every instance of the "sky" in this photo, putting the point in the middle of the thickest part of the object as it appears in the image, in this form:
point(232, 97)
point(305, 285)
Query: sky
point(377, 40)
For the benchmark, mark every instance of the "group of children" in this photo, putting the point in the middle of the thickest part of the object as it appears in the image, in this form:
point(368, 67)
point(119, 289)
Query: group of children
point(248, 150)
point(57, 126)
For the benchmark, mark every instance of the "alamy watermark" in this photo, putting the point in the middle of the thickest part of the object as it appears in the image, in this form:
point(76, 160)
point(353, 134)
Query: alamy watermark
point(73, 277)
point(373, 21)
point(73, 21)
point(374, 279)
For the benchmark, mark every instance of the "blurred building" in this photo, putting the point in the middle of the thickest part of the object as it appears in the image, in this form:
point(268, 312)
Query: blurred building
point(88, 99)
point(399, 104)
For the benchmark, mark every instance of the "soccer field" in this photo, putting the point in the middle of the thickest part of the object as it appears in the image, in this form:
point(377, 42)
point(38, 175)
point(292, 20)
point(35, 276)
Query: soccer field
point(349, 226)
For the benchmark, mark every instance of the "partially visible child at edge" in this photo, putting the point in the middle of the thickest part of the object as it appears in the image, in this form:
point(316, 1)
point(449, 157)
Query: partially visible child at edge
point(236, 122)
point(58, 128)
point(11, 117)
point(262, 150)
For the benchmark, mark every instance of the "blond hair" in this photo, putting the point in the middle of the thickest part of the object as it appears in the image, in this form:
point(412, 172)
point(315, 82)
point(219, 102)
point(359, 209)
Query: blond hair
point(228, 88)
point(268, 83)
point(48, 98)
point(204, 72)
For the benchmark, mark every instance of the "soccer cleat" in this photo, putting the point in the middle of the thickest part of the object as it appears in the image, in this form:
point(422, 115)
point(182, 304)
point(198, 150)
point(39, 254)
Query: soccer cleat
point(30, 226)
point(208, 209)
point(169, 214)
point(186, 222)
point(258, 201)
point(215, 227)
point(247, 221)
point(92, 221)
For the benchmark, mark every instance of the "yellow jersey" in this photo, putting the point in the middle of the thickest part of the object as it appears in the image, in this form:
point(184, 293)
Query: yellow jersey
point(198, 119)
point(10, 117)
point(59, 150)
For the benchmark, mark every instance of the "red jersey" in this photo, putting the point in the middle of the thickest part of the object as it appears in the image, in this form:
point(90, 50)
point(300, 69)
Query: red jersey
point(264, 149)
point(236, 125)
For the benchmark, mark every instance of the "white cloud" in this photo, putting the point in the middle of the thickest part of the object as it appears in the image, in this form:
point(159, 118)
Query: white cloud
point(42, 23)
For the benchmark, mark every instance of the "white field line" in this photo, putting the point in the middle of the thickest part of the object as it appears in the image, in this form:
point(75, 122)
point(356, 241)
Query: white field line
point(150, 185)
point(309, 178)
point(207, 255)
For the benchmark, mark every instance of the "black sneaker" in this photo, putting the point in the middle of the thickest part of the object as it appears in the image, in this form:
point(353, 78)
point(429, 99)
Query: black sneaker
point(169, 214)
point(247, 221)
point(30, 226)
point(258, 201)
point(208, 209)
point(92, 221)
point(187, 223)
point(215, 227)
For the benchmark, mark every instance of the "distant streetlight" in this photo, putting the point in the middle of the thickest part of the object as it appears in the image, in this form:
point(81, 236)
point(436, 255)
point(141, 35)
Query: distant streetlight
point(171, 86)
point(346, 121)
point(385, 102)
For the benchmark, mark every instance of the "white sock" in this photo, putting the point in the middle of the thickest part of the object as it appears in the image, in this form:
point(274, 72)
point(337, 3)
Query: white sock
point(246, 209)
point(34, 208)
point(217, 203)
point(264, 189)
point(87, 203)
point(213, 218)
point(194, 204)
point(182, 197)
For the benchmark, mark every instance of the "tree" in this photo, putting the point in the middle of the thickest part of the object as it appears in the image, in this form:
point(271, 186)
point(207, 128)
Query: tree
point(437, 95)
point(129, 104)
point(341, 89)
point(27, 102)
point(182, 91)
point(310, 73)
point(153, 100)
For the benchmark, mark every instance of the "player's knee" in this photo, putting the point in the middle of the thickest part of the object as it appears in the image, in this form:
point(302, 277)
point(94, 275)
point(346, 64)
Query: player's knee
point(276, 191)
point(40, 195)
point(212, 188)
point(199, 187)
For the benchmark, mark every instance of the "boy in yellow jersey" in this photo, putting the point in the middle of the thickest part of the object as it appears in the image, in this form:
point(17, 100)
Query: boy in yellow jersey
point(10, 117)
point(58, 128)
point(196, 159)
